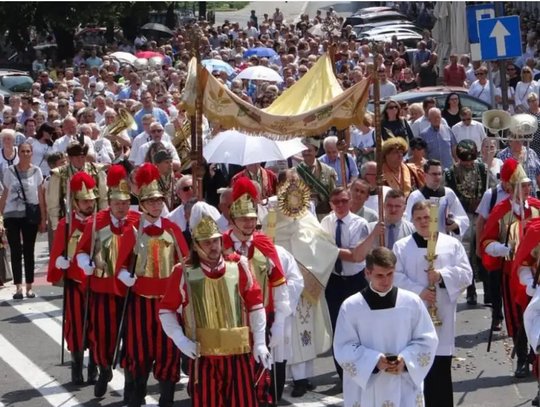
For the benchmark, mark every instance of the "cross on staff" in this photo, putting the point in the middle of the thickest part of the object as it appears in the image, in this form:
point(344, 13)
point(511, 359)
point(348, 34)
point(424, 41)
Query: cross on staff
point(378, 137)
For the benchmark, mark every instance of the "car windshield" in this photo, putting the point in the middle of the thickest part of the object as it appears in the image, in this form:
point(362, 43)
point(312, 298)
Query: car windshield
point(17, 83)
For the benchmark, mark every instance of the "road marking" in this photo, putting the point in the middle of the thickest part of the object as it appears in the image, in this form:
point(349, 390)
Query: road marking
point(52, 327)
point(50, 389)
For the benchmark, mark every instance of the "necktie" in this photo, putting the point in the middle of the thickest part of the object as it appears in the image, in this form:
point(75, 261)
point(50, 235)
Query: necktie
point(339, 266)
point(391, 236)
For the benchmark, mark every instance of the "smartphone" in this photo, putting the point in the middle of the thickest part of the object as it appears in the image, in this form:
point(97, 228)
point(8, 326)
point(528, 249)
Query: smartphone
point(391, 358)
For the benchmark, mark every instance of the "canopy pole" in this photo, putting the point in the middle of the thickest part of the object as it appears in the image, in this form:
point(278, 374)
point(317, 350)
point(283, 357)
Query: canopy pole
point(378, 139)
point(197, 164)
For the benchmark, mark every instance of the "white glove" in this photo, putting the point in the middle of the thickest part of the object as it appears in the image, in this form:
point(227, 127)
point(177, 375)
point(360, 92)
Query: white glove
point(262, 355)
point(497, 249)
point(278, 334)
point(62, 263)
point(125, 277)
point(186, 345)
point(83, 260)
point(530, 290)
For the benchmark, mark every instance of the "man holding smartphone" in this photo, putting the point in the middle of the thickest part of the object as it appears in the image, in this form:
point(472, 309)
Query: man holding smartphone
point(384, 340)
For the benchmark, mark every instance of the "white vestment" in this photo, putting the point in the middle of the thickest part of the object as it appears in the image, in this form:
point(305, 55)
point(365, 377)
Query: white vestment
point(448, 204)
point(363, 335)
point(453, 264)
point(315, 250)
point(531, 320)
point(295, 284)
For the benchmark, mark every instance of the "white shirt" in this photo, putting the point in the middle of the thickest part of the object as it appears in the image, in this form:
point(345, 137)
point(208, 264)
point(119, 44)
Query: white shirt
point(421, 124)
point(141, 154)
point(138, 141)
point(39, 155)
point(373, 200)
point(475, 132)
point(523, 90)
point(61, 144)
point(178, 216)
point(31, 180)
point(351, 233)
point(387, 89)
point(223, 224)
point(482, 92)
point(104, 149)
point(483, 208)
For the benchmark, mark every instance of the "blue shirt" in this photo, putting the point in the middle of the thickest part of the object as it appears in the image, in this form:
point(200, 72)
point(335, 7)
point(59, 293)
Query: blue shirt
point(440, 143)
point(350, 169)
point(159, 114)
point(97, 61)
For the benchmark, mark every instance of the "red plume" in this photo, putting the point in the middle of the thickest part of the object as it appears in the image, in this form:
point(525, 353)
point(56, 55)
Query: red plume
point(146, 174)
point(79, 179)
point(244, 186)
point(116, 174)
point(509, 167)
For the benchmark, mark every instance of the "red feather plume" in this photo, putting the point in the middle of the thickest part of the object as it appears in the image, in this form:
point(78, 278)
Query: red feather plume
point(146, 174)
point(244, 186)
point(508, 169)
point(116, 174)
point(79, 179)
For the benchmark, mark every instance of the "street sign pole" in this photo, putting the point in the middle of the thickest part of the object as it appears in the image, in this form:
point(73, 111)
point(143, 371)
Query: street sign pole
point(491, 84)
point(499, 12)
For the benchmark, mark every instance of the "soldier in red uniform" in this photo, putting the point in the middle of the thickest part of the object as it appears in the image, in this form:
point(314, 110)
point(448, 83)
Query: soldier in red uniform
point(265, 178)
point(83, 199)
point(500, 240)
point(160, 245)
point(99, 267)
point(265, 265)
point(220, 302)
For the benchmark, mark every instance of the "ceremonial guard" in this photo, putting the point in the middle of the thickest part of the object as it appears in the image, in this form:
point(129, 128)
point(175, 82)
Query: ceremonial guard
point(96, 256)
point(80, 206)
point(220, 302)
point(298, 231)
point(385, 340)
point(163, 160)
point(265, 178)
point(434, 266)
point(264, 263)
point(500, 240)
point(56, 190)
point(148, 252)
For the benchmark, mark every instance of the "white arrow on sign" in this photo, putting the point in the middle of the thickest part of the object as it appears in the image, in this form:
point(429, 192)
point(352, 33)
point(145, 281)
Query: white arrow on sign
point(500, 33)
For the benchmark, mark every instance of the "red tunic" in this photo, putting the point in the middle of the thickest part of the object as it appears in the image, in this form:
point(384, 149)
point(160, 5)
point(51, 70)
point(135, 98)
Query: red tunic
point(269, 181)
point(524, 255)
point(147, 286)
point(74, 272)
point(103, 285)
point(248, 286)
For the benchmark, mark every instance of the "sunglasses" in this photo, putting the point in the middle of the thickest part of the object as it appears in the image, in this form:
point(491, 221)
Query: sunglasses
point(186, 189)
point(480, 74)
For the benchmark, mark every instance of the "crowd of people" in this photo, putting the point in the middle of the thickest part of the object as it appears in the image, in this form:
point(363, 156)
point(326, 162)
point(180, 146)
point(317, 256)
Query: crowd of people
point(98, 157)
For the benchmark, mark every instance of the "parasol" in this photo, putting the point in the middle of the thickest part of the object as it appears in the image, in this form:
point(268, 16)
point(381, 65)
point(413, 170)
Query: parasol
point(260, 73)
point(217, 65)
point(148, 54)
point(124, 57)
point(261, 52)
point(157, 29)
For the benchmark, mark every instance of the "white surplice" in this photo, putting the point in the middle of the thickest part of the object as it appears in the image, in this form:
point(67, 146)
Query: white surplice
point(363, 335)
point(453, 264)
point(531, 320)
point(295, 284)
point(448, 204)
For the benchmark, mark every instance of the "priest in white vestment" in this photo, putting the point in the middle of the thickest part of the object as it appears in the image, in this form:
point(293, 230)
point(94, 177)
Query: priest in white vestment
point(531, 322)
point(451, 275)
point(385, 340)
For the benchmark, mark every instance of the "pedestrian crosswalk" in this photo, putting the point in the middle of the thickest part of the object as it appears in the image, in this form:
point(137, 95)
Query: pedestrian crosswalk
point(30, 345)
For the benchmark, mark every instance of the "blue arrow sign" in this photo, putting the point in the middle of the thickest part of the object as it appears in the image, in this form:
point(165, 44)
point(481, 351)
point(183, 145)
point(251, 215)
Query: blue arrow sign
point(500, 38)
point(475, 14)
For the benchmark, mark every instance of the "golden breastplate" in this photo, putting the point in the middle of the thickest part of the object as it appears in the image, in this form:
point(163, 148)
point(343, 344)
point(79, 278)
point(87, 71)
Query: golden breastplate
point(156, 258)
point(515, 230)
point(106, 250)
point(259, 266)
point(220, 315)
point(73, 243)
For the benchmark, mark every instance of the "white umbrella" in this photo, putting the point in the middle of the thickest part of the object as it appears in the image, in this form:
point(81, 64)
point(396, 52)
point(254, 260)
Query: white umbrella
point(124, 57)
point(234, 147)
point(260, 73)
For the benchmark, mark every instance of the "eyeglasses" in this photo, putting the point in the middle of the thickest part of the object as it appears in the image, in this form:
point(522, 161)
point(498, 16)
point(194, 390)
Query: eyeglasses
point(157, 131)
point(187, 188)
point(456, 98)
point(343, 201)
point(480, 73)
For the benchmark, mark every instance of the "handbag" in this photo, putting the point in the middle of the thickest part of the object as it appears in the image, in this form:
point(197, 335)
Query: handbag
point(33, 214)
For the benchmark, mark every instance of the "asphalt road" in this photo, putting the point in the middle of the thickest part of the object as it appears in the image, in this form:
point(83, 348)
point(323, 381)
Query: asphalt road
point(31, 374)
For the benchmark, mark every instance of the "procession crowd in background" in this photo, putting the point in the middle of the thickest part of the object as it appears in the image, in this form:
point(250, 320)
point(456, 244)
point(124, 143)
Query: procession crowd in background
point(64, 127)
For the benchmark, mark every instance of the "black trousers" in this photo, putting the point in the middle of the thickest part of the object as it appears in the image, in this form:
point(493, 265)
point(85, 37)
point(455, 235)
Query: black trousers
point(340, 288)
point(495, 280)
point(14, 228)
point(438, 389)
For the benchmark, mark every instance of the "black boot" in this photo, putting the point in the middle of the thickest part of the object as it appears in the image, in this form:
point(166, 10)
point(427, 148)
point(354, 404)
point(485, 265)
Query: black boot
point(300, 388)
point(166, 393)
point(471, 295)
point(139, 392)
point(522, 369)
point(105, 376)
point(129, 385)
point(92, 370)
point(77, 368)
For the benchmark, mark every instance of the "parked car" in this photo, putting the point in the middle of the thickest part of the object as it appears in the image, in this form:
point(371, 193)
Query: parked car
point(439, 93)
point(14, 82)
point(374, 18)
point(371, 10)
point(391, 30)
point(409, 40)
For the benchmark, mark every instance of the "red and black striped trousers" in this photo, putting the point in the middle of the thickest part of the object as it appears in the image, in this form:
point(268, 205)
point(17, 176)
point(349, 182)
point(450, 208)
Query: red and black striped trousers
point(224, 381)
point(146, 345)
point(105, 314)
point(73, 333)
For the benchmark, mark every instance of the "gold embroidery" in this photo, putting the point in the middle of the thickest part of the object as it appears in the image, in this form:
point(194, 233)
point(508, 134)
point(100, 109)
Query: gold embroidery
point(419, 400)
point(423, 359)
point(350, 368)
point(304, 318)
